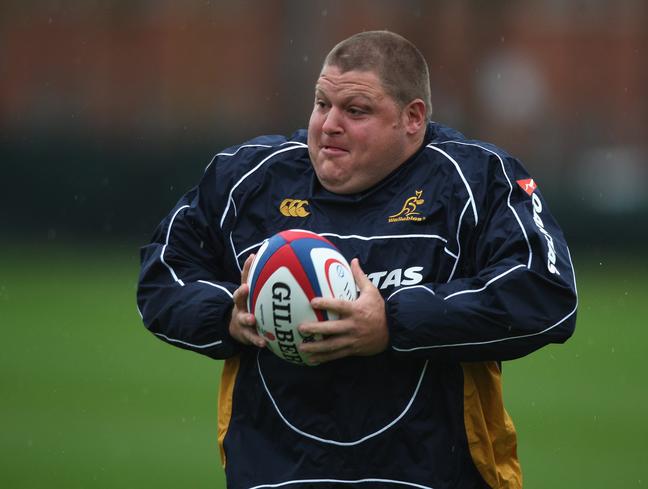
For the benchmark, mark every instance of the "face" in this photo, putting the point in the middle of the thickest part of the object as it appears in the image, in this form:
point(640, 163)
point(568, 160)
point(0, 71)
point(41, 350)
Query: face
point(357, 133)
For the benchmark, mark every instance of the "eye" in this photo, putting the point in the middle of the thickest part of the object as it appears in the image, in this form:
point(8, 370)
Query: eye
point(356, 111)
point(320, 104)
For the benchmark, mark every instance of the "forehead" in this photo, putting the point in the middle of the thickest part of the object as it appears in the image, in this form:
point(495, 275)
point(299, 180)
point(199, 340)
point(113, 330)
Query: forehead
point(332, 81)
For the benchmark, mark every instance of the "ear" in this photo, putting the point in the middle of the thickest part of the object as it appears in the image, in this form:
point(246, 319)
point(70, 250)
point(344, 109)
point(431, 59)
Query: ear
point(414, 116)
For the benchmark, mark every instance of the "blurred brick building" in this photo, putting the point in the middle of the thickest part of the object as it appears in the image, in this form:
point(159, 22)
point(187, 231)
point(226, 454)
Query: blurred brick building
point(560, 84)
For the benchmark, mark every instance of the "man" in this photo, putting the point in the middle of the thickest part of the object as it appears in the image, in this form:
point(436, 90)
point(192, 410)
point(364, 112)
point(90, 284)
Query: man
point(459, 266)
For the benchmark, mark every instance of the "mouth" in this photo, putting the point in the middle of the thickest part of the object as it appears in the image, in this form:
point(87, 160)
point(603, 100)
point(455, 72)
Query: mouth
point(333, 150)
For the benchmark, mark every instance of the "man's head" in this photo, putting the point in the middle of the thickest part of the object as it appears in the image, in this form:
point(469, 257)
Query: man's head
point(399, 64)
point(371, 108)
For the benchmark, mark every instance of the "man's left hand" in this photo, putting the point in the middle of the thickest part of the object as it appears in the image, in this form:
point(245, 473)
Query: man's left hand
point(361, 329)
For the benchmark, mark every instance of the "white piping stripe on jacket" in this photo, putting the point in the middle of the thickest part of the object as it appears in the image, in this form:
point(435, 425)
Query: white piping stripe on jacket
point(353, 236)
point(508, 200)
point(166, 243)
point(528, 265)
point(341, 481)
point(173, 273)
point(230, 198)
point(463, 179)
point(217, 286)
point(182, 284)
point(172, 340)
point(392, 236)
point(507, 338)
point(237, 150)
point(243, 146)
point(409, 287)
point(231, 240)
point(336, 442)
point(454, 268)
point(248, 249)
point(481, 289)
point(456, 257)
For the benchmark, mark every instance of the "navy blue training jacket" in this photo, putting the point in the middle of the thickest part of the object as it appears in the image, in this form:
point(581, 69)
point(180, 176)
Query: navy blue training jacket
point(473, 268)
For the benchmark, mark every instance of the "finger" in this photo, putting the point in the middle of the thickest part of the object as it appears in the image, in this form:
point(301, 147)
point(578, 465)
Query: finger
point(240, 297)
point(246, 330)
point(360, 277)
point(246, 268)
point(325, 328)
point(251, 335)
point(326, 346)
point(246, 319)
point(327, 356)
point(339, 306)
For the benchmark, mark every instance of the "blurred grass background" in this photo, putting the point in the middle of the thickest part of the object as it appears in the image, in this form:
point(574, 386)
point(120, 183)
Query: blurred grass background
point(91, 399)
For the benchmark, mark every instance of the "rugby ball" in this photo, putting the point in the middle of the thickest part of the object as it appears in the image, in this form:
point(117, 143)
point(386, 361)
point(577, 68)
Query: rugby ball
point(291, 268)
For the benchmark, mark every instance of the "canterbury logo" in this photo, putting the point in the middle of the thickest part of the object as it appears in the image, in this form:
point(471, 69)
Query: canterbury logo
point(408, 212)
point(294, 208)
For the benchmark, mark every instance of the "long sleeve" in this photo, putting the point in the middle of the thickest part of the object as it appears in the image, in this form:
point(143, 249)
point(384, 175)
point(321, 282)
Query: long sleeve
point(514, 287)
point(183, 296)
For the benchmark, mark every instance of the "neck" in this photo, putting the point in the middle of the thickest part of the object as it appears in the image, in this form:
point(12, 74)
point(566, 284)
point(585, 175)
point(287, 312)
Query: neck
point(417, 141)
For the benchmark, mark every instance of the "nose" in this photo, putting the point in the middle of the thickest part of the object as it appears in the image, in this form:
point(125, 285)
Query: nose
point(332, 122)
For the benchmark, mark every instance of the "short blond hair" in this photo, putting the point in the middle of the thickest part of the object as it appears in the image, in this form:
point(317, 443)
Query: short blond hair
point(399, 64)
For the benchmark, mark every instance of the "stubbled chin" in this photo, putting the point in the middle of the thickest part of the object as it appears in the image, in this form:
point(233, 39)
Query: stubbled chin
point(335, 182)
point(331, 172)
point(330, 176)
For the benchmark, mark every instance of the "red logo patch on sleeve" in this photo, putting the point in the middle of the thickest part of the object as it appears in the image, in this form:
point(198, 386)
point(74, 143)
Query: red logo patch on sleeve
point(527, 185)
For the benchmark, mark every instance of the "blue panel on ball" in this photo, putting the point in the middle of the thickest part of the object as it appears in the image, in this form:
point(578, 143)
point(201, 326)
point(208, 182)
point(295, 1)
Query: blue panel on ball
point(274, 243)
point(302, 248)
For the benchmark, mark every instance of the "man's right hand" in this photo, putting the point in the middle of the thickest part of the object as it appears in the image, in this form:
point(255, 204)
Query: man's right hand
point(242, 326)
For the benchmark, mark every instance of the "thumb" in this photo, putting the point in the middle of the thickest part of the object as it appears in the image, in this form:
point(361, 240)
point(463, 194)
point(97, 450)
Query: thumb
point(246, 268)
point(361, 279)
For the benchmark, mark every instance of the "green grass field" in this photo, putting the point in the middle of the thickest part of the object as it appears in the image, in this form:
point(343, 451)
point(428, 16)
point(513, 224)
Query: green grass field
point(89, 399)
